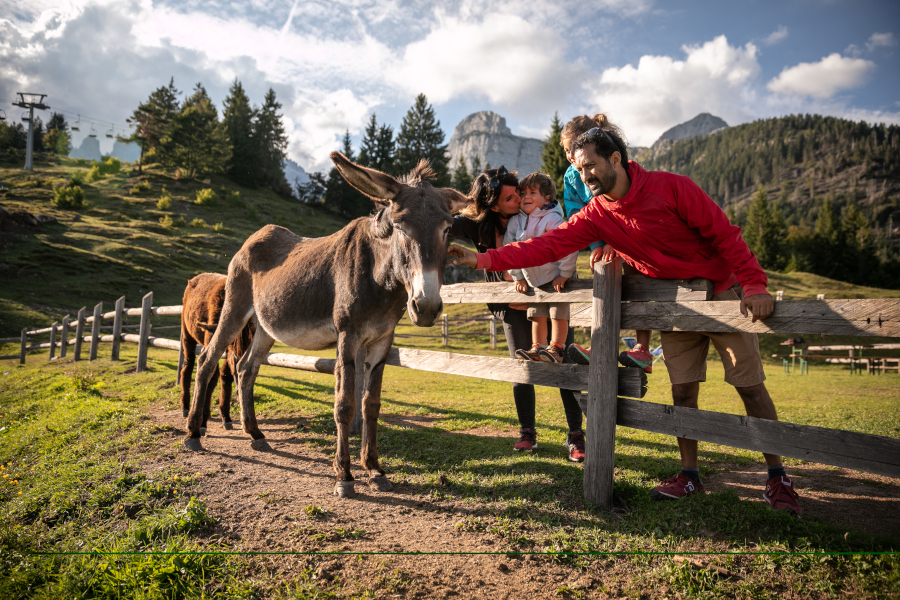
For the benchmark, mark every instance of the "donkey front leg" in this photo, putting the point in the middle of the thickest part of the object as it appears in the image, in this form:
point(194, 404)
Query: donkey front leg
point(344, 406)
point(376, 357)
point(188, 349)
point(227, 381)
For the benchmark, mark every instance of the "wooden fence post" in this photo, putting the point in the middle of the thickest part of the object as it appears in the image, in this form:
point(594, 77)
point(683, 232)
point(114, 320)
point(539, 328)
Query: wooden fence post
point(64, 337)
point(79, 334)
point(24, 346)
point(180, 356)
point(146, 305)
point(445, 330)
point(356, 425)
point(95, 330)
point(53, 329)
point(599, 460)
point(117, 328)
point(493, 332)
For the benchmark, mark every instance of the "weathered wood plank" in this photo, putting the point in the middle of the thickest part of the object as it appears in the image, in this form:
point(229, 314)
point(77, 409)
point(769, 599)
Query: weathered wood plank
point(146, 311)
point(156, 342)
point(600, 433)
point(117, 328)
point(851, 450)
point(95, 331)
point(160, 311)
point(635, 288)
point(79, 334)
point(878, 317)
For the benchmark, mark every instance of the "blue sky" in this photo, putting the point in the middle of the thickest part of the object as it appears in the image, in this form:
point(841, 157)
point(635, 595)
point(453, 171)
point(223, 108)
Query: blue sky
point(648, 64)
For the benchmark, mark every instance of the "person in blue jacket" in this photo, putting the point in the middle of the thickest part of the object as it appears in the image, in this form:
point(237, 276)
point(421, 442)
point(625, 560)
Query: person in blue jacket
point(576, 196)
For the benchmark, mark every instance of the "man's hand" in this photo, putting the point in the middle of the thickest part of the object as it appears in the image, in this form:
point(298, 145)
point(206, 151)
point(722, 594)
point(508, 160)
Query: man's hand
point(761, 305)
point(602, 253)
point(559, 283)
point(521, 286)
point(457, 255)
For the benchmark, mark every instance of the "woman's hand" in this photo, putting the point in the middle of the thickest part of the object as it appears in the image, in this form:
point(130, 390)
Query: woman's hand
point(521, 286)
point(559, 283)
point(457, 255)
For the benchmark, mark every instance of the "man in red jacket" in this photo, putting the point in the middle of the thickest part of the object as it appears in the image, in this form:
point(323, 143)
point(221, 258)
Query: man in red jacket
point(666, 227)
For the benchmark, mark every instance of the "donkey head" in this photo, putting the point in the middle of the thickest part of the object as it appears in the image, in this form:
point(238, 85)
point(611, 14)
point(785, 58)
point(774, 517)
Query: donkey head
point(417, 217)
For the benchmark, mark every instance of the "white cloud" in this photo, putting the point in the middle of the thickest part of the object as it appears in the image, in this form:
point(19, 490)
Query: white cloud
point(501, 57)
point(822, 79)
point(880, 40)
point(661, 91)
point(776, 36)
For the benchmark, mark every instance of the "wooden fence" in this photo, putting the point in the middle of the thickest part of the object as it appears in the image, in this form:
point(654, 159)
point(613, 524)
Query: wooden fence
point(607, 304)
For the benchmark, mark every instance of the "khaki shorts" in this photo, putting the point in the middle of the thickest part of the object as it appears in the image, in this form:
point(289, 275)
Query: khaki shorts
point(554, 310)
point(685, 352)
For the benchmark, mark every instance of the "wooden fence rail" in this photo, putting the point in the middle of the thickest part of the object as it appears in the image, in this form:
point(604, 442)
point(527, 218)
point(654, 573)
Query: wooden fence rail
point(608, 303)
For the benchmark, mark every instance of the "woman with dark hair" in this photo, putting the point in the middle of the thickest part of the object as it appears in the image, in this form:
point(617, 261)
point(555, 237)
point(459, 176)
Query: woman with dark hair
point(496, 199)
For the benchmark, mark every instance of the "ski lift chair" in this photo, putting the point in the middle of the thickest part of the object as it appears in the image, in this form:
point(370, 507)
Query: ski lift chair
point(657, 353)
point(109, 133)
point(76, 126)
point(93, 132)
point(26, 117)
point(2, 115)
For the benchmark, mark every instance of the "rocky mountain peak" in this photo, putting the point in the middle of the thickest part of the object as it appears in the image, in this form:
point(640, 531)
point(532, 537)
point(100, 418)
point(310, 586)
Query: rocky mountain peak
point(483, 122)
point(485, 135)
point(702, 124)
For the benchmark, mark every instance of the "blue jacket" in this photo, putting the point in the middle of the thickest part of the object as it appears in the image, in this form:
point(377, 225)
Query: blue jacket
point(576, 196)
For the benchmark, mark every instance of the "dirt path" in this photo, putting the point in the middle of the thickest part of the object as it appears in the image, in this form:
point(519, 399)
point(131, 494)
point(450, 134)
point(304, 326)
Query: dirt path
point(261, 500)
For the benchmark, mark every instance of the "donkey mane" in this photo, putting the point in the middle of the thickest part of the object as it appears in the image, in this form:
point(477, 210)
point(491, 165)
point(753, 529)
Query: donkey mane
point(420, 173)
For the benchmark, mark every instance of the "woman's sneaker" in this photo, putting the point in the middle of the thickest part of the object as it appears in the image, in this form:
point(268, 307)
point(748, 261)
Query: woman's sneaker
point(552, 353)
point(533, 354)
point(528, 440)
point(579, 355)
point(637, 357)
point(575, 446)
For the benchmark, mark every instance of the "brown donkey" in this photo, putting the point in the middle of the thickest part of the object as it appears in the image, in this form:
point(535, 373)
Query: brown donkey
point(201, 307)
point(347, 290)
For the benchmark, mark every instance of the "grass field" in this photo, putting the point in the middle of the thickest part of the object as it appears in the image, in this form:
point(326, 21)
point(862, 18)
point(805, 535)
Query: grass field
point(76, 437)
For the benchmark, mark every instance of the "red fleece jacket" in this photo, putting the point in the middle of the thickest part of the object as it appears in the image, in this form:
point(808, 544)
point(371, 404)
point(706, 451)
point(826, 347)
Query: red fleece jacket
point(665, 226)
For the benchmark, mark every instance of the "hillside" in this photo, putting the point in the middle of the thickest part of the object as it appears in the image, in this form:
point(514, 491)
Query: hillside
point(798, 159)
point(116, 245)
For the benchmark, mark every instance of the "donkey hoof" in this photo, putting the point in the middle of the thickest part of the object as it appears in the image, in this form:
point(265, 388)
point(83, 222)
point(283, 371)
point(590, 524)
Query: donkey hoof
point(344, 489)
point(184, 413)
point(380, 483)
point(260, 445)
point(228, 425)
point(193, 444)
point(202, 431)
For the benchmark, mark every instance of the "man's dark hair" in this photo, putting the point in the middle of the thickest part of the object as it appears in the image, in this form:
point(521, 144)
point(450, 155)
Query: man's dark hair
point(606, 138)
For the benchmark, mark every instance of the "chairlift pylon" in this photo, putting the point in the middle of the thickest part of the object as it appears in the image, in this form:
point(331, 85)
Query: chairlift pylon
point(76, 126)
point(93, 132)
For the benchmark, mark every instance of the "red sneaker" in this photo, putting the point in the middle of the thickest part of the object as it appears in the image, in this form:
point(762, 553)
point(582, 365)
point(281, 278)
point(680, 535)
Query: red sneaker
point(579, 355)
point(528, 441)
point(780, 495)
point(575, 446)
point(637, 357)
point(677, 487)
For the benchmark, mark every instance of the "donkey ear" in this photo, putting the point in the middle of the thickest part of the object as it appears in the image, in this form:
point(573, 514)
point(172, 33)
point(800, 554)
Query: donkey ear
point(455, 200)
point(374, 184)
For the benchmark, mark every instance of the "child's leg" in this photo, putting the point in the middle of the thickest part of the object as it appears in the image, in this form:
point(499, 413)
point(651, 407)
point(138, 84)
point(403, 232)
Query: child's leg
point(539, 330)
point(559, 329)
point(643, 337)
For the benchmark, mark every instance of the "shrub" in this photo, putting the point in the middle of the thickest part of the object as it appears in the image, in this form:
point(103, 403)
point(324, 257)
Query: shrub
point(77, 177)
point(219, 227)
point(94, 174)
point(179, 222)
point(205, 197)
point(164, 202)
point(140, 186)
point(165, 221)
point(110, 165)
point(198, 223)
point(68, 197)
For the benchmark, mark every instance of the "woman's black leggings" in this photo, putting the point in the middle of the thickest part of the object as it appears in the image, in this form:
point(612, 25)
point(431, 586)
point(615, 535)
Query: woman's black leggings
point(517, 328)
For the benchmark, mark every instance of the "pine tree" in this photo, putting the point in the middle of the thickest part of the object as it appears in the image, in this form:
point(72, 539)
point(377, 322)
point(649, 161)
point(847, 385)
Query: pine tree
point(476, 167)
point(384, 158)
point(764, 231)
point(421, 137)
point(195, 139)
point(237, 119)
point(57, 139)
point(271, 146)
point(553, 158)
point(151, 120)
point(462, 180)
point(367, 147)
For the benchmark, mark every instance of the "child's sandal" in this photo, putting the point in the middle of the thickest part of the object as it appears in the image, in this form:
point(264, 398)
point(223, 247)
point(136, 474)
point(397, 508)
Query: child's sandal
point(552, 353)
